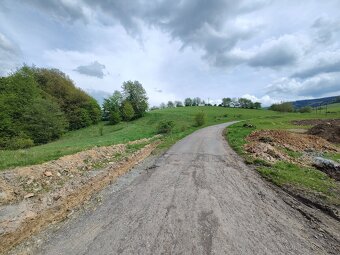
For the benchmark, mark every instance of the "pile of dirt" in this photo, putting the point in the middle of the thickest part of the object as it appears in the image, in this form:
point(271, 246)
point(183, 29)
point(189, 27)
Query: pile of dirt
point(291, 141)
point(328, 131)
point(314, 122)
point(279, 145)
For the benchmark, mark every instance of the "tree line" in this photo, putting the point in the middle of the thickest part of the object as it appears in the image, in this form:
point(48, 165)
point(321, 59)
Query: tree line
point(38, 105)
point(289, 107)
point(226, 102)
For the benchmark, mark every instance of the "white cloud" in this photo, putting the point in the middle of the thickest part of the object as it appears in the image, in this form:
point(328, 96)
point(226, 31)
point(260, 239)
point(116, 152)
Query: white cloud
point(264, 100)
point(317, 86)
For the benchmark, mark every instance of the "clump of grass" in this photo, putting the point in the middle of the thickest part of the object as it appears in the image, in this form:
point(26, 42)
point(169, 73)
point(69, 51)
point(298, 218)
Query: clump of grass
point(165, 127)
point(101, 130)
point(200, 119)
point(293, 154)
point(309, 179)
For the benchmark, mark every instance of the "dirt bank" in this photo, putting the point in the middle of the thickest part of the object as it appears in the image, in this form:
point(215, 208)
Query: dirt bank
point(328, 129)
point(43, 194)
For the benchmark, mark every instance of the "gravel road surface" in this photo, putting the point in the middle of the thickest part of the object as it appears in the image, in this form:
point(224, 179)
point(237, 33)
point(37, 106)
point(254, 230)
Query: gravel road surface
point(197, 198)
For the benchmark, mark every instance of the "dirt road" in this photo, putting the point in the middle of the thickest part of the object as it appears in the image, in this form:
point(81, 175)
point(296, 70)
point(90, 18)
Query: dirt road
point(198, 198)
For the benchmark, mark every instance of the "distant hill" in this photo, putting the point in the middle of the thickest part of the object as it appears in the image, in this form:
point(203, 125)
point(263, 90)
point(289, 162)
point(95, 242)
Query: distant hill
point(316, 102)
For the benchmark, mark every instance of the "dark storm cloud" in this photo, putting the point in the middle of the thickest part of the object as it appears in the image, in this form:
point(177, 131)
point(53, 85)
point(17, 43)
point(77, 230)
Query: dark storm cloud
point(61, 9)
point(207, 25)
point(196, 23)
point(276, 56)
point(94, 69)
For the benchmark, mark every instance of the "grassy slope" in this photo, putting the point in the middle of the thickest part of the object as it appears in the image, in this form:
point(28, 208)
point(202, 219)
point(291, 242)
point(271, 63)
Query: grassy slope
point(143, 128)
point(285, 174)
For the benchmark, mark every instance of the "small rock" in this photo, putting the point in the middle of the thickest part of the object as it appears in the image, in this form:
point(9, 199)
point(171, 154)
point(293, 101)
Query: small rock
point(58, 174)
point(56, 197)
point(30, 214)
point(29, 195)
point(48, 174)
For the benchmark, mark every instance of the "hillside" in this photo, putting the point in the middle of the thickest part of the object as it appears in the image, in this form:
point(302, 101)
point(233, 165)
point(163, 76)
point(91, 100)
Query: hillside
point(316, 102)
point(146, 127)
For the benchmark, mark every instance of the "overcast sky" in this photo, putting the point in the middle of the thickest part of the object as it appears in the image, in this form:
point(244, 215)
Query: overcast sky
point(266, 50)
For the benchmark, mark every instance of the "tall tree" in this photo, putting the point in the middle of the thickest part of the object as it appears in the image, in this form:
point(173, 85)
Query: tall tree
point(112, 104)
point(178, 104)
point(136, 95)
point(188, 102)
point(170, 104)
point(127, 110)
point(226, 101)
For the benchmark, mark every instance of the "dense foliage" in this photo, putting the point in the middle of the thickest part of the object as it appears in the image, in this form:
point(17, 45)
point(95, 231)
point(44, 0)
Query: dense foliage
point(39, 105)
point(129, 104)
point(200, 119)
point(165, 127)
point(283, 107)
point(226, 102)
point(79, 108)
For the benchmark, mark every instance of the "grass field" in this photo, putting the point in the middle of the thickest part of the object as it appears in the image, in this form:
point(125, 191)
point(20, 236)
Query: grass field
point(284, 173)
point(145, 127)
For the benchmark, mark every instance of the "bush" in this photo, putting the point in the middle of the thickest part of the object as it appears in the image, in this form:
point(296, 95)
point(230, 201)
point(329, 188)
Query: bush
point(19, 142)
point(72, 100)
point(165, 127)
point(306, 109)
point(200, 119)
point(114, 117)
point(283, 107)
point(127, 111)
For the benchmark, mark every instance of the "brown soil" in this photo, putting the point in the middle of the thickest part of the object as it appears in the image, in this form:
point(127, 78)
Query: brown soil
point(316, 122)
point(328, 131)
point(34, 196)
point(279, 145)
point(272, 145)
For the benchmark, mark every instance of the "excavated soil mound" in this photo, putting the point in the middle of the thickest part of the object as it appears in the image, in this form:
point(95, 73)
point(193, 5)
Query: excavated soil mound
point(291, 141)
point(316, 122)
point(328, 131)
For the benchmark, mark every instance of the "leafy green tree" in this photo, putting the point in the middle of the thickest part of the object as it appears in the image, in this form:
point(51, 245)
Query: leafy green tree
point(112, 104)
point(43, 121)
point(245, 103)
point(178, 104)
point(127, 111)
point(306, 109)
point(162, 106)
point(226, 102)
point(114, 117)
point(282, 107)
point(257, 105)
point(170, 104)
point(72, 100)
point(136, 95)
point(28, 115)
point(188, 102)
